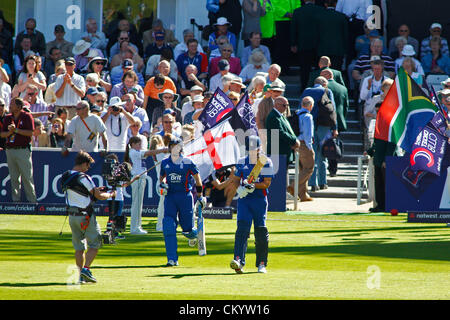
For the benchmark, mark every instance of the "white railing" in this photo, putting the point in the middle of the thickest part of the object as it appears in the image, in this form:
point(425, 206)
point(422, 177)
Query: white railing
point(365, 182)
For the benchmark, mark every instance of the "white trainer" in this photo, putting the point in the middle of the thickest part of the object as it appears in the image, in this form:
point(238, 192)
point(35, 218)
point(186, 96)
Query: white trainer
point(236, 265)
point(262, 268)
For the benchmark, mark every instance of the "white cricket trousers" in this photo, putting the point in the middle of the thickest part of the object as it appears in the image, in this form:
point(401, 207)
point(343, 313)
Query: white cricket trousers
point(137, 201)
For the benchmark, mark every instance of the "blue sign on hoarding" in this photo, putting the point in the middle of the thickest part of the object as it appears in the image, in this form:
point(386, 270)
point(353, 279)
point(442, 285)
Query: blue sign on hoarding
point(48, 167)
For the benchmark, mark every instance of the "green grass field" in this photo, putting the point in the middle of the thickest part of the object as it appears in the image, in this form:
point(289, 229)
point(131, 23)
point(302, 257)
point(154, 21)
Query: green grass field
point(311, 257)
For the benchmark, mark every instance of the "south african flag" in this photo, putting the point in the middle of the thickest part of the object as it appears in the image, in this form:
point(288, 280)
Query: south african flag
point(405, 111)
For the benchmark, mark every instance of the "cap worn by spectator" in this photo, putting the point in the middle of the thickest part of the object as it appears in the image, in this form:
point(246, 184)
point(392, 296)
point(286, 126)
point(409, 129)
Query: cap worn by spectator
point(127, 64)
point(445, 92)
point(169, 111)
point(375, 58)
point(92, 91)
point(223, 65)
point(446, 82)
point(408, 50)
point(80, 47)
point(197, 98)
point(436, 25)
point(116, 101)
point(95, 108)
point(196, 88)
point(222, 21)
point(238, 81)
point(159, 35)
point(69, 60)
point(59, 28)
point(276, 88)
point(257, 58)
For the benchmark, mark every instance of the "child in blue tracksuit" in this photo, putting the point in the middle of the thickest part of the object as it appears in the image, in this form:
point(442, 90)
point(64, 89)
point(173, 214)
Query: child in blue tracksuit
point(252, 206)
point(178, 201)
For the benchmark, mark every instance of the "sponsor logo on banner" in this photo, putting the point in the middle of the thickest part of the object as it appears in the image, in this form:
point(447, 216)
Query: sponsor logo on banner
point(428, 151)
point(17, 208)
point(217, 213)
point(429, 217)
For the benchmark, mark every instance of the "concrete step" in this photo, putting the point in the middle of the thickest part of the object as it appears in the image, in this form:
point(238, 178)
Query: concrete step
point(343, 182)
point(353, 146)
point(351, 135)
point(336, 192)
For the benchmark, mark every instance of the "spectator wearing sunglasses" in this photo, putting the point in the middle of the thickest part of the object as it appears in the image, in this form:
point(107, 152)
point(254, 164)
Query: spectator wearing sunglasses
point(123, 36)
point(403, 31)
point(235, 63)
point(37, 38)
point(98, 65)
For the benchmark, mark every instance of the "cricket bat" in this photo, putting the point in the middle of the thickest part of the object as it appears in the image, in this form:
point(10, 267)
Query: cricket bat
point(201, 240)
point(260, 163)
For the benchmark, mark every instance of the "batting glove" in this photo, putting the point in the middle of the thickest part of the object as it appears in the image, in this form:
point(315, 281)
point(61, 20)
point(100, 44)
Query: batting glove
point(201, 202)
point(242, 192)
point(249, 186)
point(163, 188)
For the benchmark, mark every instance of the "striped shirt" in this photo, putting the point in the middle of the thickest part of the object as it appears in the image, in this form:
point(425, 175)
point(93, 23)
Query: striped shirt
point(69, 97)
point(40, 106)
point(363, 63)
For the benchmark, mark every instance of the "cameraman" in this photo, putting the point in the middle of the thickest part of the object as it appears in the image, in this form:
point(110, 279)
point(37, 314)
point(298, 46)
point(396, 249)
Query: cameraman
point(80, 193)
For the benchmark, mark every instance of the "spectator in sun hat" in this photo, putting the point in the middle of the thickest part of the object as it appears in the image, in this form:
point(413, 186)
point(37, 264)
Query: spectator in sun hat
point(257, 62)
point(81, 50)
point(408, 51)
point(221, 26)
point(187, 105)
point(98, 65)
point(435, 31)
point(169, 99)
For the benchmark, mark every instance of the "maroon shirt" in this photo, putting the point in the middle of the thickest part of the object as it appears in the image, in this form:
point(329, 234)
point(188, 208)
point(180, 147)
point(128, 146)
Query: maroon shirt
point(24, 121)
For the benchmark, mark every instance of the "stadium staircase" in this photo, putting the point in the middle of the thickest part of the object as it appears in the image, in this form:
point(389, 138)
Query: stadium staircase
point(344, 184)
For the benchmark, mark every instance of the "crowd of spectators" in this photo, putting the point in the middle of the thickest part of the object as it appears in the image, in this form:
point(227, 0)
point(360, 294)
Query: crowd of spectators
point(116, 81)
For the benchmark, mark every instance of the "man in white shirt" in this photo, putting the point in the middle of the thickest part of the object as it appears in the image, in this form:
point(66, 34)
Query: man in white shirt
point(117, 121)
point(371, 85)
point(85, 129)
point(69, 88)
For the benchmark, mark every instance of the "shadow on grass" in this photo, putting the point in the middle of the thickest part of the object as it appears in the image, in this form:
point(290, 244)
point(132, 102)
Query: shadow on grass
point(23, 245)
point(130, 267)
point(29, 285)
point(182, 275)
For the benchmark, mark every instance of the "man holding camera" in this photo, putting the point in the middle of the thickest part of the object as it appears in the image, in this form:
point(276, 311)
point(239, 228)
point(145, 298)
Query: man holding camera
point(80, 194)
point(117, 121)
